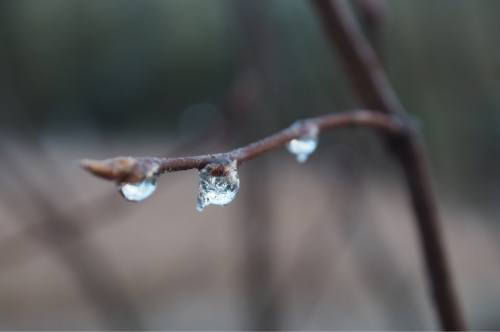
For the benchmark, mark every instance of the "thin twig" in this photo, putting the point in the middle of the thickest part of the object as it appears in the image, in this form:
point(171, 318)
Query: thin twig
point(371, 83)
point(129, 169)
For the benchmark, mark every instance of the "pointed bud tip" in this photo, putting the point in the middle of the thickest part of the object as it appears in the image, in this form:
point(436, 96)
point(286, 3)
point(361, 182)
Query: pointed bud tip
point(96, 167)
point(83, 163)
point(77, 164)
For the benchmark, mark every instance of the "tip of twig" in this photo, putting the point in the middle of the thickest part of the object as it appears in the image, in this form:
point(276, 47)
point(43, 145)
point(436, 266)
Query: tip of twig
point(103, 169)
point(122, 169)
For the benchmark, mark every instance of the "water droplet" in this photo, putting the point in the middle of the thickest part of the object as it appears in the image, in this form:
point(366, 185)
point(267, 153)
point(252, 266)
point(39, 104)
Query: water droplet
point(139, 190)
point(218, 190)
point(304, 146)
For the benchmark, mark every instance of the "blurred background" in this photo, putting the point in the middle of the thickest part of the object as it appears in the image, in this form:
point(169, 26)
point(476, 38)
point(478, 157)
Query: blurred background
point(325, 245)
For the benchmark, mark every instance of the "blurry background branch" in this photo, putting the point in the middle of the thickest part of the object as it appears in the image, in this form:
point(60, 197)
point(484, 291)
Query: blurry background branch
point(374, 18)
point(99, 283)
point(372, 85)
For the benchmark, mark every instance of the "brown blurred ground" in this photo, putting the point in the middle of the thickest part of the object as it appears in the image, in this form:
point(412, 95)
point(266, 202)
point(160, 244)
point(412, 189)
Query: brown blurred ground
point(344, 254)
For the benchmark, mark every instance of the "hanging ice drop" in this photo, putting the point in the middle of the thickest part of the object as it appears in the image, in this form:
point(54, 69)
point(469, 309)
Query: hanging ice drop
point(219, 184)
point(305, 145)
point(139, 190)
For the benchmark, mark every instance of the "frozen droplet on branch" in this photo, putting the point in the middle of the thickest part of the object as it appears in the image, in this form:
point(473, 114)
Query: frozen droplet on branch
point(139, 190)
point(219, 184)
point(305, 145)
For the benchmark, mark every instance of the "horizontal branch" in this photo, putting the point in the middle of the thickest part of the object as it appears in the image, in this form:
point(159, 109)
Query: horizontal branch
point(131, 169)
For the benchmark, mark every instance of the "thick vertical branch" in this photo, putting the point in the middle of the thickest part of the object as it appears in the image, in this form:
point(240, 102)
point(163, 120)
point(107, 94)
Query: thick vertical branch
point(411, 153)
point(372, 85)
point(374, 16)
point(360, 60)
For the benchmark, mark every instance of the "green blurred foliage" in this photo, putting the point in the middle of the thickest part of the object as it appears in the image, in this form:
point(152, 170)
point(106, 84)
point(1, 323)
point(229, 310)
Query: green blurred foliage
point(124, 61)
point(139, 64)
point(445, 65)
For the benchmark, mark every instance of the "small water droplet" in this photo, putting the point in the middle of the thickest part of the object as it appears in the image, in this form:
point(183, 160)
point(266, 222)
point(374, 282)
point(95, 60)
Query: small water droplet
point(138, 191)
point(304, 146)
point(218, 190)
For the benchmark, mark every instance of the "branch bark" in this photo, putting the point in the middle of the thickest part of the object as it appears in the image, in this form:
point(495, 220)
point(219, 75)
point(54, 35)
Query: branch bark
point(372, 85)
point(130, 169)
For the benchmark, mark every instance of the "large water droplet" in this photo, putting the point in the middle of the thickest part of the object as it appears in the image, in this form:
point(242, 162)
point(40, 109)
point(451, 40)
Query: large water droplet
point(218, 190)
point(139, 190)
point(304, 146)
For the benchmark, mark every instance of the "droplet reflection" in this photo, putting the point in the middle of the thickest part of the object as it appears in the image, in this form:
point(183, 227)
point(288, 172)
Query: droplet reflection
point(217, 190)
point(304, 146)
point(138, 191)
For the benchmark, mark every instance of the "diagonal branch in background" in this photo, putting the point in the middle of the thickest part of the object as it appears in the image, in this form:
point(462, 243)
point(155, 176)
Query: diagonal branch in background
point(130, 170)
point(98, 281)
point(359, 59)
point(372, 85)
point(374, 18)
point(238, 103)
